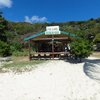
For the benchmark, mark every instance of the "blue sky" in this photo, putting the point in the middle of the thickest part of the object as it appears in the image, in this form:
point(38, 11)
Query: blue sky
point(50, 10)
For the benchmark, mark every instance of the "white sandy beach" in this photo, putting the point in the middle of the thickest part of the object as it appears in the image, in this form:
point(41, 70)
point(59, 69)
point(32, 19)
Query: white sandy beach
point(55, 80)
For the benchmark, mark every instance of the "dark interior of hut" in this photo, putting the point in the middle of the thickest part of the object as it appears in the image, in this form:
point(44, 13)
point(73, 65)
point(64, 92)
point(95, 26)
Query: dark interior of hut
point(47, 46)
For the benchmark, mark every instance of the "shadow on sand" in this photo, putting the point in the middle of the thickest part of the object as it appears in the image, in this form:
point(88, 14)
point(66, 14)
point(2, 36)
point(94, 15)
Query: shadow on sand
point(75, 61)
point(92, 69)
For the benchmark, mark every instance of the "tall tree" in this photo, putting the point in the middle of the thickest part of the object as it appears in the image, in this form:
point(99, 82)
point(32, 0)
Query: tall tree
point(4, 46)
point(3, 28)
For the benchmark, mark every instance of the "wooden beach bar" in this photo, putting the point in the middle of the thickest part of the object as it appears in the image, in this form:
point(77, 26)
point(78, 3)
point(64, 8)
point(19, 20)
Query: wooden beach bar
point(50, 44)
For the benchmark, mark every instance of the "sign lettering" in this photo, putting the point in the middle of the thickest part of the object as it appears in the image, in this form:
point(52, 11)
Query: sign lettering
point(52, 30)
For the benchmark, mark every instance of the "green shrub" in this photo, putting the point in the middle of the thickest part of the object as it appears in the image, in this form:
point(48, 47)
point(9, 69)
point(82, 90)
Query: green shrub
point(20, 53)
point(97, 38)
point(4, 49)
point(81, 48)
point(16, 46)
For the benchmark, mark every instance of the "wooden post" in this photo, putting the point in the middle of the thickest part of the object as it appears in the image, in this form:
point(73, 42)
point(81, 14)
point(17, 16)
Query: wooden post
point(53, 46)
point(30, 50)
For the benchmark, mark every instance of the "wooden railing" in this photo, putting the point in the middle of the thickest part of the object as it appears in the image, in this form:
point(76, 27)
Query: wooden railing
point(49, 55)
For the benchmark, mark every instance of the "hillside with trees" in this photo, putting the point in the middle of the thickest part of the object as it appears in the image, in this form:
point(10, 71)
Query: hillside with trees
point(81, 28)
point(12, 33)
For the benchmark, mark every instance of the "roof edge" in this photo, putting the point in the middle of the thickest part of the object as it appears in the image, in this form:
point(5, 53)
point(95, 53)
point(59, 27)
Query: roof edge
point(33, 36)
point(41, 33)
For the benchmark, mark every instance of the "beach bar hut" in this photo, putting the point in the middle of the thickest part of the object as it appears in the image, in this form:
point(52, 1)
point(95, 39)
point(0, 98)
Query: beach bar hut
point(49, 44)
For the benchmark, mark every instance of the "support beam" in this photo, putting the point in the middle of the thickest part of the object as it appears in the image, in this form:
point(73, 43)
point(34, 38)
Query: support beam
point(30, 50)
point(53, 46)
point(61, 38)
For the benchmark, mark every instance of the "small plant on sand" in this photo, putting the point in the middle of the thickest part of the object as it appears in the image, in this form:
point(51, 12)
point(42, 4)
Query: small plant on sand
point(21, 66)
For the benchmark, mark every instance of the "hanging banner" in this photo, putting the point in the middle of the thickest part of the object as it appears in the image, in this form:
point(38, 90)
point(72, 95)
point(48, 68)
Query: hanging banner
point(52, 30)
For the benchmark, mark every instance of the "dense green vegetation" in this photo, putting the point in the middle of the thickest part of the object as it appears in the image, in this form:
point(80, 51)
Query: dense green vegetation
point(81, 48)
point(12, 33)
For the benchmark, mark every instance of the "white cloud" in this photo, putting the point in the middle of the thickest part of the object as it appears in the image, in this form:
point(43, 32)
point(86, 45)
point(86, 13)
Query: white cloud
point(35, 19)
point(5, 3)
point(27, 19)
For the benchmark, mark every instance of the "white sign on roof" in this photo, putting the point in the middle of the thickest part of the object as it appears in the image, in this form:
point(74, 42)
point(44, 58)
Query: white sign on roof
point(52, 30)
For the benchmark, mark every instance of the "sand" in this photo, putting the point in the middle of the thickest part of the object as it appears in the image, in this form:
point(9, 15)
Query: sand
point(53, 80)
